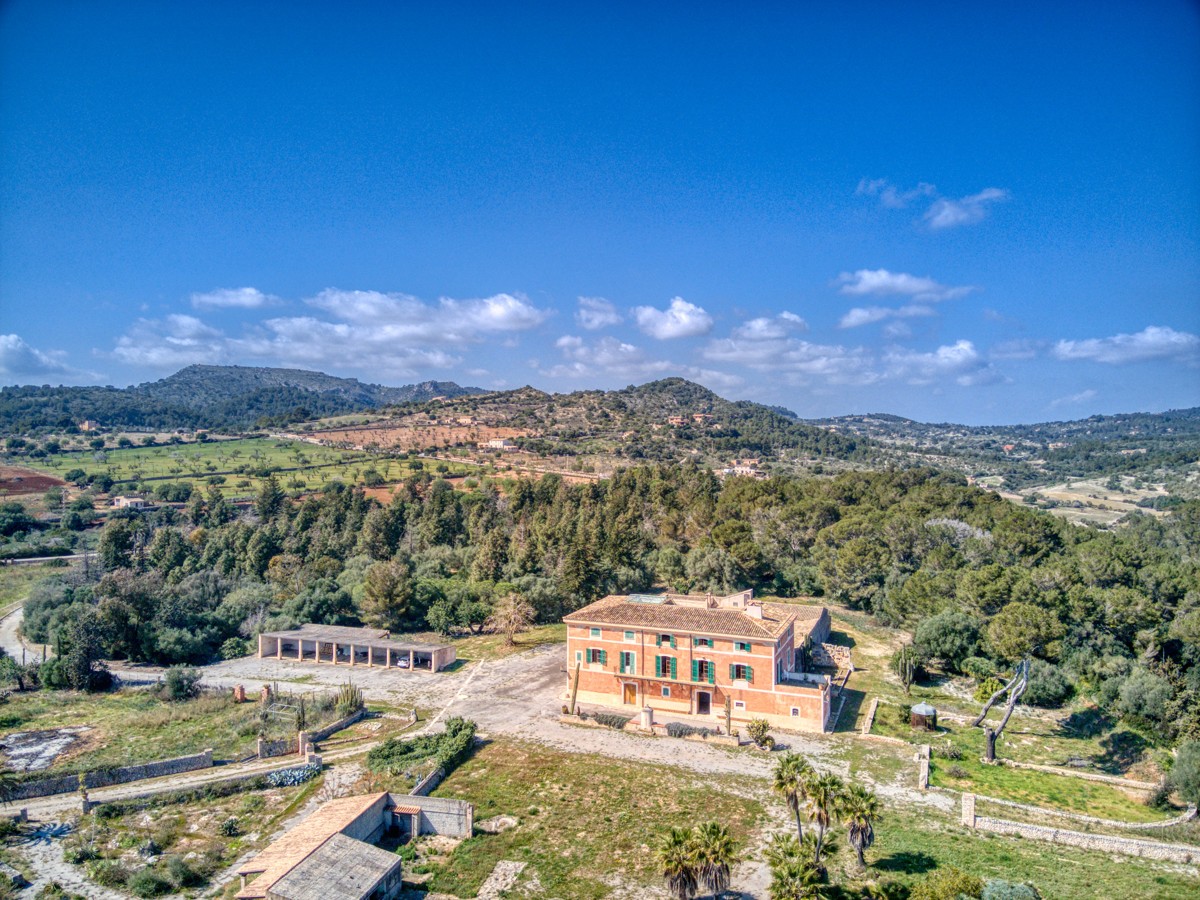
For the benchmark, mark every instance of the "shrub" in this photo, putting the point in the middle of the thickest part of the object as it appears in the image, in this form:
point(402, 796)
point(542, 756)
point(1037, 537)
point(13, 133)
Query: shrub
point(181, 874)
point(234, 648)
point(1185, 773)
point(978, 667)
point(950, 751)
point(293, 776)
point(997, 889)
point(957, 772)
point(679, 730)
point(108, 873)
point(986, 688)
point(1048, 686)
point(947, 884)
point(230, 827)
point(77, 855)
point(612, 720)
point(148, 883)
point(759, 731)
point(181, 683)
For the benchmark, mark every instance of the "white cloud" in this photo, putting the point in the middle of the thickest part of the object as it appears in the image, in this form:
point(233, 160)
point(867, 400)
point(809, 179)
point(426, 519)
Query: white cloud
point(596, 312)
point(233, 298)
point(766, 329)
point(870, 314)
point(946, 213)
point(392, 334)
point(1073, 399)
point(628, 362)
point(19, 360)
point(795, 360)
point(959, 361)
point(881, 282)
point(891, 196)
point(680, 319)
point(1152, 343)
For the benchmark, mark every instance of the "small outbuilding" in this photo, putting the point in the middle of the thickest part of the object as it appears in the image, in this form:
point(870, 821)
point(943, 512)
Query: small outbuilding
point(924, 716)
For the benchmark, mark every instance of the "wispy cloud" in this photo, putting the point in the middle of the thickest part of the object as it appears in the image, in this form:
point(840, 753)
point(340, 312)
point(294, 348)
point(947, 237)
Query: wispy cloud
point(891, 196)
point(19, 360)
point(868, 315)
point(1152, 343)
point(959, 361)
point(943, 212)
point(234, 298)
point(882, 282)
point(770, 328)
point(680, 319)
point(609, 357)
point(1073, 399)
point(947, 213)
point(596, 312)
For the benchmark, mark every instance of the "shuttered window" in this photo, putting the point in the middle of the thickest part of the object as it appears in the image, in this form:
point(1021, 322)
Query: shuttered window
point(665, 667)
point(595, 656)
point(742, 646)
point(704, 670)
point(627, 662)
point(739, 672)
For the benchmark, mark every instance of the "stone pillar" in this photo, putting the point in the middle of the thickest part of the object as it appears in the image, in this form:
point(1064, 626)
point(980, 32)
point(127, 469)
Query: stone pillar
point(968, 810)
point(279, 648)
point(260, 646)
point(648, 718)
point(412, 660)
point(302, 743)
point(353, 650)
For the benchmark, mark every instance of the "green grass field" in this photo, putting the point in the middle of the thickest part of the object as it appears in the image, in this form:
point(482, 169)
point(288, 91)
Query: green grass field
point(298, 466)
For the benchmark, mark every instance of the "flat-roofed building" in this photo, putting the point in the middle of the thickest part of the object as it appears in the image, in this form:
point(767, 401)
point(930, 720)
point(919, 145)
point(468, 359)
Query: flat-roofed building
point(687, 654)
point(342, 645)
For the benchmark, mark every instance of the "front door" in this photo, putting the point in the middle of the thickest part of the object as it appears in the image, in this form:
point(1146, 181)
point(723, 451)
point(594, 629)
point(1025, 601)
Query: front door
point(703, 703)
point(629, 695)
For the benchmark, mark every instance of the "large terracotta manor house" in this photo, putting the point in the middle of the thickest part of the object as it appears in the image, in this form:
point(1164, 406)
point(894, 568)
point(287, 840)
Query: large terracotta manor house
point(685, 654)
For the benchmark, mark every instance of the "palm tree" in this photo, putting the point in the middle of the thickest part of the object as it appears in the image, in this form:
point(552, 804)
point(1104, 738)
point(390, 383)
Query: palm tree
point(715, 856)
point(796, 879)
point(676, 855)
point(824, 797)
point(792, 774)
point(860, 811)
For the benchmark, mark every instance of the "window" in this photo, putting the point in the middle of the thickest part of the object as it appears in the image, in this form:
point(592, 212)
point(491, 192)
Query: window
point(666, 691)
point(595, 632)
point(596, 657)
point(665, 667)
point(739, 672)
point(738, 704)
point(578, 656)
point(742, 646)
point(629, 637)
point(795, 712)
point(704, 670)
point(628, 664)
point(668, 639)
point(702, 642)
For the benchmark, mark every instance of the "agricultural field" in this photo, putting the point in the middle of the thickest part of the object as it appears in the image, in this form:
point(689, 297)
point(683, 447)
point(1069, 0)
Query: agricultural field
point(237, 466)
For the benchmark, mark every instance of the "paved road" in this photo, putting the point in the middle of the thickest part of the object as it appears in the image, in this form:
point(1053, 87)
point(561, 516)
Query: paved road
point(12, 644)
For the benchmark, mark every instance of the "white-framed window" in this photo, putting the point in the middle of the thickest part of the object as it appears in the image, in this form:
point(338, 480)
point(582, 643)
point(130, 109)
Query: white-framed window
point(629, 637)
point(578, 656)
point(596, 657)
point(595, 632)
point(739, 704)
point(795, 711)
point(740, 672)
point(741, 646)
point(666, 691)
point(628, 662)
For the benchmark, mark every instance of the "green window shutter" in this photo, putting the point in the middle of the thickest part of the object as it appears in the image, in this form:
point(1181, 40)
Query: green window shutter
point(658, 640)
point(732, 671)
point(604, 657)
point(749, 674)
point(695, 642)
point(695, 670)
point(673, 675)
point(712, 674)
point(672, 642)
point(658, 667)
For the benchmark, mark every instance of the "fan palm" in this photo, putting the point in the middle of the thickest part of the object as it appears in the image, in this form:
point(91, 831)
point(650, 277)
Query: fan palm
point(676, 856)
point(715, 856)
point(860, 811)
point(792, 774)
point(796, 880)
point(824, 795)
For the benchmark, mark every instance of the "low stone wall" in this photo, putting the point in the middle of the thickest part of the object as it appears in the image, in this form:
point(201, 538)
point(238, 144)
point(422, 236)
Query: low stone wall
point(321, 733)
point(832, 655)
point(268, 749)
point(1086, 776)
point(428, 783)
point(1092, 820)
point(1177, 853)
point(870, 719)
point(98, 778)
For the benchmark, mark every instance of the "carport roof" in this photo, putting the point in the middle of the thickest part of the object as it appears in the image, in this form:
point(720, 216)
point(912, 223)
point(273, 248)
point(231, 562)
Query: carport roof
point(344, 634)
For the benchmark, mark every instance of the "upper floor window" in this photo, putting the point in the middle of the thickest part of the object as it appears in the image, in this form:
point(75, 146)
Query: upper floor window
point(739, 672)
point(629, 637)
point(595, 632)
point(742, 646)
point(702, 642)
point(598, 657)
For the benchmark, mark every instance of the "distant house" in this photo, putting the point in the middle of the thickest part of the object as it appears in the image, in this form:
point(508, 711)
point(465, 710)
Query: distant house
point(129, 502)
point(345, 645)
point(687, 654)
point(675, 420)
point(701, 418)
point(502, 444)
point(88, 425)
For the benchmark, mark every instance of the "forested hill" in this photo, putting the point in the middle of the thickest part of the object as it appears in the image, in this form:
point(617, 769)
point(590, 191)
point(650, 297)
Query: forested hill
point(661, 420)
point(216, 397)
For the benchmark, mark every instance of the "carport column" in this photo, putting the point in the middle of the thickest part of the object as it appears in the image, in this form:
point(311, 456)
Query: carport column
point(352, 651)
point(279, 648)
point(260, 646)
point(412, 660)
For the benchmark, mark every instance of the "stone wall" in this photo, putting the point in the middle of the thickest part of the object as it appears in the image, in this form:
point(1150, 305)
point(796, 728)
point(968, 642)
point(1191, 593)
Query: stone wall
point(832, 655)
point(268, 749)
point(428, 783)
point(1092, 820)
point(224, 783)
point(321, 733)
point(870, 719)
point(440, 815)
point(66, 784)
point(1126, 783)
point(1103, 843)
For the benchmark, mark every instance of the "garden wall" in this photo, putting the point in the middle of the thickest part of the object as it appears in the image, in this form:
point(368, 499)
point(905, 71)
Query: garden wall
point(98, 778)
point(832, 655)
point(321, 733)
point(440, 815)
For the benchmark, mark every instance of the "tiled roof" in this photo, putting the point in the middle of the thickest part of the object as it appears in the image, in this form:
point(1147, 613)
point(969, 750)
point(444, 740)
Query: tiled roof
point(341, 868)
point(620, 611)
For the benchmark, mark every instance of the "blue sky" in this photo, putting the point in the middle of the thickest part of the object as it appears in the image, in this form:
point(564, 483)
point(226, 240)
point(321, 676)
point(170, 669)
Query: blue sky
point(979, 213)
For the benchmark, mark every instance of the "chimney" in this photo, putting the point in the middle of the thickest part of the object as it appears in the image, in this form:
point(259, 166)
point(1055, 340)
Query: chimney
point(754, 610)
